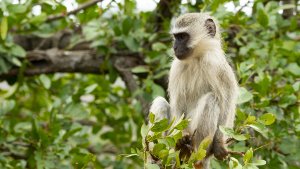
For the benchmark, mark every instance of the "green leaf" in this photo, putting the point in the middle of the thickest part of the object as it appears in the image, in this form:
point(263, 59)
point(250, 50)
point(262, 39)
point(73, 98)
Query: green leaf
point(230, 132)
point(6, 106)
point(244, 96)
point(250, 166)
point(90, 88)
point(38, 19)
point(160, 126)
point(205, 143)
point(16, 61)
point(17, 50)
point(151, 166)
point(76, 111)
point(176, 134)
point(151, 117)
point(155, 136)
point(131, 43)
point(158, 46)
point(200, 154)
point(3, 66)
point(126, 25)
point(288, 45)
point(267, 119)
point(287, 100)
point(250, 120)
point(4, 28)
point(171, 142)
point(259, 162)
point(140, 69)
point(71, 132)
point(248, 156)
point(157, 148)
point(294, 69)
point(157, 90)
point(163, 154)
point(88, 158)
point(131, 155)
point(11, 90)
point(262, 17)
point(296, 86)
point(234, 164)
point(17, 8)
point(45, 81)
point(182, 125)
point(259, 128)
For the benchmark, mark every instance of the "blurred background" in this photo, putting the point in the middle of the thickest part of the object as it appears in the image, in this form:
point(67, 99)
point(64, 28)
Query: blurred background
point(77, 77)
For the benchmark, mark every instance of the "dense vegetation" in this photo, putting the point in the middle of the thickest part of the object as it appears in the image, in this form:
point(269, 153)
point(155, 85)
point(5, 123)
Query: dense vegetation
point(75, 85)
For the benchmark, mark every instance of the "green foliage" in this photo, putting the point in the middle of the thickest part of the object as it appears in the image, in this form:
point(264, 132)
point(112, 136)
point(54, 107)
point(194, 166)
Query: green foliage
point(93, 121)
point(160, 136)
point(159, 140)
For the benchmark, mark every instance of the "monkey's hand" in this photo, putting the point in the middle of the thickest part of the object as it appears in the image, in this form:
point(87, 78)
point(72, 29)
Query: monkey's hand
point(219, 151)
point(185, 146)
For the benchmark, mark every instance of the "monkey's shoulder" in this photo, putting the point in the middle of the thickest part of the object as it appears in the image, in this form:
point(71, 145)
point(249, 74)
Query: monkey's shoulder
point(214, 59)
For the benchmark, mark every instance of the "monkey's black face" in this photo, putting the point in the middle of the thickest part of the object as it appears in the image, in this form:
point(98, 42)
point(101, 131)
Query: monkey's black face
point(180, 47)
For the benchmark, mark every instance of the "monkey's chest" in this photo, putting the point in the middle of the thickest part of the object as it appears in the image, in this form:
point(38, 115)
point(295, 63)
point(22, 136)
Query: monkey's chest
point(190, 88)
point(187, 84)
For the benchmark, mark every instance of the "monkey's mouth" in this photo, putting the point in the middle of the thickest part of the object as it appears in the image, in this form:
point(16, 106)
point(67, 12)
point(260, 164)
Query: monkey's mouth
point(182, 54)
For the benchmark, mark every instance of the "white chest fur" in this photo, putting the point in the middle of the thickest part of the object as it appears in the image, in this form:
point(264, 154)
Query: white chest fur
point(187, 84)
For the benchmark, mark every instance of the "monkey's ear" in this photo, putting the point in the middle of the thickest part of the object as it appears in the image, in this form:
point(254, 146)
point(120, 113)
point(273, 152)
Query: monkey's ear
point(211, 27)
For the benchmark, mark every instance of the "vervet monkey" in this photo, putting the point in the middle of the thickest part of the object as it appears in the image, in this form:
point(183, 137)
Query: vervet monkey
point(202, 84)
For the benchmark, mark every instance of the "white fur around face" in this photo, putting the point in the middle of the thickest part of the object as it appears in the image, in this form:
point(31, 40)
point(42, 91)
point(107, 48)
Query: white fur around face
point(196, 28)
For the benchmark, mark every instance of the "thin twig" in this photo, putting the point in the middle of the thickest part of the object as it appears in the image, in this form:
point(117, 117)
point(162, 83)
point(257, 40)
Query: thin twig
point(242, 7)
point(230, 141)
point(262, 146)
point(236, 153)
point(84, 6)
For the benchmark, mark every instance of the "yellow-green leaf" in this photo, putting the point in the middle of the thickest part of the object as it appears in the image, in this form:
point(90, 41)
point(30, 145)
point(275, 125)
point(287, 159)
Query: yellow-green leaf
point(157, 148)
point(250, 120)
point(200, 154)
point(4, 27)
point(248, 156)
point(205, 143)
point(267, 118)
point(151, 117)
point(140, 69)
point(182, 125)
point(259, 162)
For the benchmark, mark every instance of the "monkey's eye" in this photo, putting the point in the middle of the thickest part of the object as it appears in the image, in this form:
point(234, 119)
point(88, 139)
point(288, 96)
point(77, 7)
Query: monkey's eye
point(181, 36)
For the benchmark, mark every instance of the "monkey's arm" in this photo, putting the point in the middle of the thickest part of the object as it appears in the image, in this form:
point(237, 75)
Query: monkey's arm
point(161, 108)
point(224, 88)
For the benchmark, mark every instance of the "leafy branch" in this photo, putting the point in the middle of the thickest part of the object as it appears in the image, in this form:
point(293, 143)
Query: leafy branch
point(74, 11)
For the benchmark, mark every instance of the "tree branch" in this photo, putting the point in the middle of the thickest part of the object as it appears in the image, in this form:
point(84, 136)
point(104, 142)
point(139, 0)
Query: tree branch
point(124, 66)
point(164, 12)
point(82, 61)
point(236, 153)
point(84, 6)
point(287, 13)
point(55, 60)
